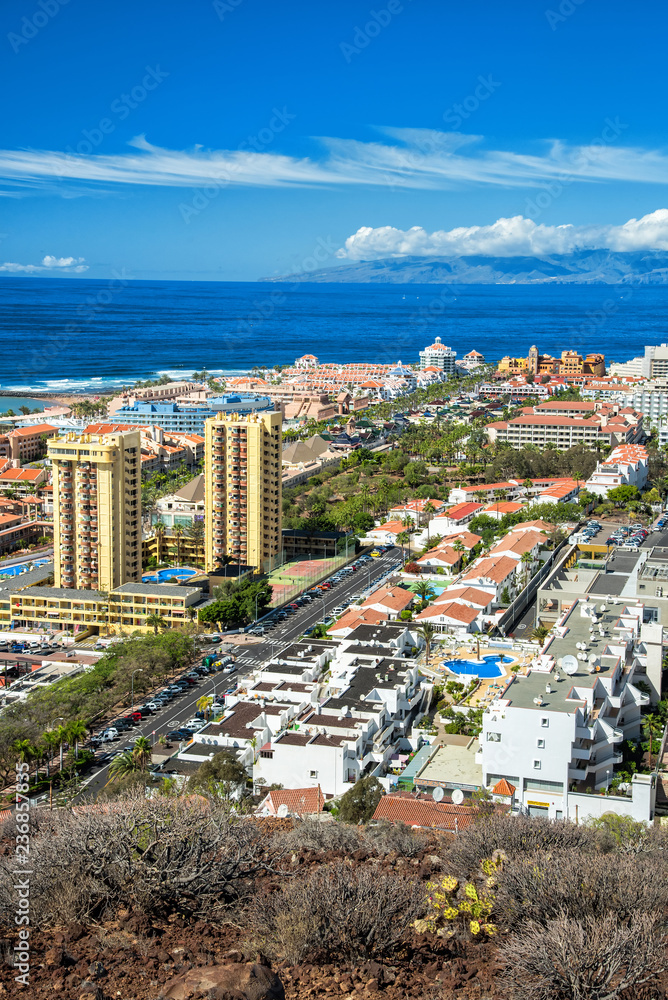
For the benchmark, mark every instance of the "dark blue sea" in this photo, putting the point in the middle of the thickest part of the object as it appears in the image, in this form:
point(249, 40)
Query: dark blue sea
point(78, 335)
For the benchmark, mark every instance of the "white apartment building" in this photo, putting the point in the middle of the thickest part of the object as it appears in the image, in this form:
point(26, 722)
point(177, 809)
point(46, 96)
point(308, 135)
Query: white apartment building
point(438, 355)
point(626, 466)
point(359, 718)
point(557, 732)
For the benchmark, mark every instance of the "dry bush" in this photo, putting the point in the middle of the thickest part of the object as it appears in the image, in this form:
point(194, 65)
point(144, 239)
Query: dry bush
point(395, 838)
point(308, 835)
point(337, 913)
point(161, 855)
point(588, 959)
point(543, 887)
point(516, 836)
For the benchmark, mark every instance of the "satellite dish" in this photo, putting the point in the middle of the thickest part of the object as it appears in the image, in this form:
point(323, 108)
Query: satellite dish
point(569, 665)
point(283, 810)
point(437, 795)
point(593, 657)
point(560, 661)
point(458, 796)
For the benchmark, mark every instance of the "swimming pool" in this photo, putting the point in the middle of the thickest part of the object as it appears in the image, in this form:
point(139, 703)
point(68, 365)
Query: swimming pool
point(164, 575)
point(486, 666)
point(21, 567)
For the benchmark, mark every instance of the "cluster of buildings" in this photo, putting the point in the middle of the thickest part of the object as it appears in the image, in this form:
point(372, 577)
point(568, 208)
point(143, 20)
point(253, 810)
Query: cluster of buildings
point(570, 364)
point(321, 715)
point(565, 424)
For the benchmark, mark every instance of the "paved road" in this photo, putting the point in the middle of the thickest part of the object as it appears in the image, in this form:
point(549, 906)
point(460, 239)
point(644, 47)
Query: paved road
point(249, 658)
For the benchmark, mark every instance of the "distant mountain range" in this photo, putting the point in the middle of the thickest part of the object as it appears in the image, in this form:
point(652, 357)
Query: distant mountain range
point(585, 267)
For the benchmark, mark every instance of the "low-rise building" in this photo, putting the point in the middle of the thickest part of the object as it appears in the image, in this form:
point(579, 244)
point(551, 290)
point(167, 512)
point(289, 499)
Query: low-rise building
point(627, 465)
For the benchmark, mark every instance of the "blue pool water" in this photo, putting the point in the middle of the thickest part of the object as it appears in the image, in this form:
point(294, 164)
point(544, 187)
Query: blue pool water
point(21, 567)
point(487, 666)
point(163, 575)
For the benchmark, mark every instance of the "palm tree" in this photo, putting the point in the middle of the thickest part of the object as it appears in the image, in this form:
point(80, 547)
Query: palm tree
point(651, 725)
point(50, 740)
point(178, 532)
point(125, 764)
point(402, 538)
point(76, 730)
point(156, 622)
point(26, 751)
point(526, 559)
point(205, 704)
point(425, 591)
point(427, 632)
point(61, 734)
point(142, 750)
point(159, 529)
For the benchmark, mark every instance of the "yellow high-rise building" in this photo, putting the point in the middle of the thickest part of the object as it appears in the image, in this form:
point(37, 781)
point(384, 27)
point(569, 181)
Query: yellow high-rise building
point(96, 509)
point(242, 488)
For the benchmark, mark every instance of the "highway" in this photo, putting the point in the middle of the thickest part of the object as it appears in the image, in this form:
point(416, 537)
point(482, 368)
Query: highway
point(249, 657)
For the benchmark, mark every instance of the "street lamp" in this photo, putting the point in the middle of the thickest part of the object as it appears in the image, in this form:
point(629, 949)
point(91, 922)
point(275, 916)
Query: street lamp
point(139, 670)
point(607, 784)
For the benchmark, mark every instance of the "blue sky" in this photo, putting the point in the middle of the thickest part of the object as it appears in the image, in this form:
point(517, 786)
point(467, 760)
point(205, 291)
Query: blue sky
point(243, 138)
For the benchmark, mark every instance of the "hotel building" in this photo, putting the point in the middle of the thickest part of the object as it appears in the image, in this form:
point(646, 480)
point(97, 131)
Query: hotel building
point(96, 510)
point(242, 488)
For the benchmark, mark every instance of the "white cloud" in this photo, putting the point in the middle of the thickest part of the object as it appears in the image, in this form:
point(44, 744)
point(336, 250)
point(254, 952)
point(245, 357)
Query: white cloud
point(411, 158)
point(69, 265)
point(512, 237)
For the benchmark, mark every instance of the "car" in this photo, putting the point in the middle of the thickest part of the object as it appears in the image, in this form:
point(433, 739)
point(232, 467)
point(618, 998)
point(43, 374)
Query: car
point(230, 668)
point(178, 735)
point(258, 630)
point(111, 733)
point(309, 631)
point(154, 706)
point(195, 723)
point(327, 621)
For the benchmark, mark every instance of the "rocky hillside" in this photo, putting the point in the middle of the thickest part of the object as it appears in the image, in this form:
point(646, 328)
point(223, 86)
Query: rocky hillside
point(174, 899)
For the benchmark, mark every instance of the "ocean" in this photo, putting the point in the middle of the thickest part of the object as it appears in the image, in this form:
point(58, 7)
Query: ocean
point(79, 335)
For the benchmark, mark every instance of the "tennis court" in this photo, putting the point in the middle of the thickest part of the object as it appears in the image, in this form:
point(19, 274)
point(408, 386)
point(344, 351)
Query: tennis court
point(292, 578)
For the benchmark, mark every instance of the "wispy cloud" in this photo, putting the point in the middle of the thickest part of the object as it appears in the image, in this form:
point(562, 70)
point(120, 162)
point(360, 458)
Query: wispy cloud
point(412, 158)
point(71, 265)
point(512, 237)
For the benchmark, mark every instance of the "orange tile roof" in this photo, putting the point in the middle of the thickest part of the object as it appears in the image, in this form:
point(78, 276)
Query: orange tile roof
point(395, 598)
point(351, 619)
point(467, 538)
point(398, 808)
point(31, 431)
point(504, 787)
point(460, 612)
point(497, 570)
point(300, 801)
point(519, 542)
point(394, 527)
point(461, 510)
point(22, 475)
point(443, 552)
point(473, 594)
point(504, 507)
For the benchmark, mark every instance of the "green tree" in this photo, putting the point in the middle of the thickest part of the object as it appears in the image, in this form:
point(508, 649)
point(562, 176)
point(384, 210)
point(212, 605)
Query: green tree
point(156, 622)
point(125, 764)
point(424, 590)
point(427, 632)
point(222, 776)
point(359, 803)
point(178, 531)
point(76, 731)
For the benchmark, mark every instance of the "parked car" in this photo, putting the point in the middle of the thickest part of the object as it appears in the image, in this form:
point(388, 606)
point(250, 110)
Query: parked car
point(195, 724)
point(178, 735)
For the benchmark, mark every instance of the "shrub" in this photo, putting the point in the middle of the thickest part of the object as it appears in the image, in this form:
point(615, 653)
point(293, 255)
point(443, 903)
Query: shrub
point(395, 838)
point(336, 913)
point(516, 836)
point(600, 959)
point(312, 836)
point(163, 855)
point(455, 907)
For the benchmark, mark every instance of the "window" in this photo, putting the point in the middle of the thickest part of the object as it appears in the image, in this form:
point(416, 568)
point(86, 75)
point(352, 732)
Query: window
point(536, 765)
point(313, 774)
point(493, 737)
point(534, 785)
point(540, 744)
point(544, 723)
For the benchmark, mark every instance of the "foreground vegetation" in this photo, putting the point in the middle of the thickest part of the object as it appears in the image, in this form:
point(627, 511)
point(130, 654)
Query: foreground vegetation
point(557, 910)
